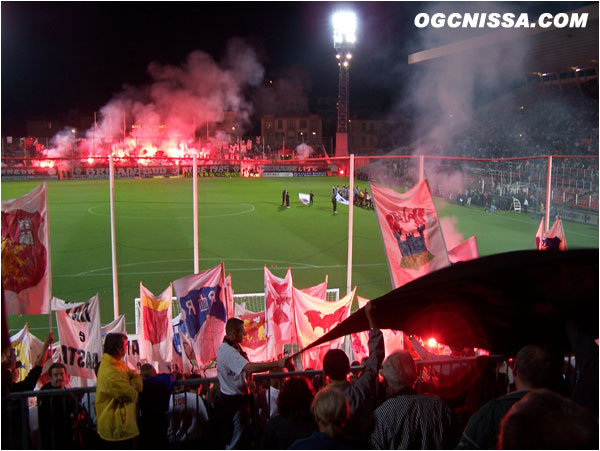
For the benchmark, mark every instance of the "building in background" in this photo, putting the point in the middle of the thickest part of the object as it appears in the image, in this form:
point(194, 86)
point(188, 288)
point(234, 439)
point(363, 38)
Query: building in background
point(291, 131)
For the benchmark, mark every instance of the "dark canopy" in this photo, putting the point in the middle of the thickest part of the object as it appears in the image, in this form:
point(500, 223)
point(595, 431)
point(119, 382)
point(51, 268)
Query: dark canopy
point(499, 303)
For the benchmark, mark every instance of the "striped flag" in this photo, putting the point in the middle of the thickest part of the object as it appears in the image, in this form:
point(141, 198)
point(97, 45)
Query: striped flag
point(411, 232)
point(202, 300)
point(156, 318)
point(26, 278)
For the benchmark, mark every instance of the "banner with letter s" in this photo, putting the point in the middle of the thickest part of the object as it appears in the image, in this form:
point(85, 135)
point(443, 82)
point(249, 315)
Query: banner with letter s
point(79, 335)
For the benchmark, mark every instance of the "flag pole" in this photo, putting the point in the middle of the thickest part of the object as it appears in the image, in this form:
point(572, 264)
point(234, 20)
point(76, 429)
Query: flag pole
point(421, 167)
point(48, 258)
point(350, 224)
point(195, 208)
point(113, 237)
point(548, 193)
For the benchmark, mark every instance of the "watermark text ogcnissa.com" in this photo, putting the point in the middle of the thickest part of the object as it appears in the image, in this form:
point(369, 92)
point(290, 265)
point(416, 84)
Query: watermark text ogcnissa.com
point(496, 20)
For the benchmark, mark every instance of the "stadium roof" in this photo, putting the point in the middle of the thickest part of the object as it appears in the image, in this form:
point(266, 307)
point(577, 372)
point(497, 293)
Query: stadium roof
point(549, 50)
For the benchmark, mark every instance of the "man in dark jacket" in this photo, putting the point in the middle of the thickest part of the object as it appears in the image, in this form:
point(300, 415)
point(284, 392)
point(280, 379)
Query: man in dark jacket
point(534, 368)
point(360, 394)
point(57, 413)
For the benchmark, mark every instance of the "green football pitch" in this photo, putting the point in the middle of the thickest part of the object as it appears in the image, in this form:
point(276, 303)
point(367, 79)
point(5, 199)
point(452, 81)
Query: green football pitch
point(241, 222)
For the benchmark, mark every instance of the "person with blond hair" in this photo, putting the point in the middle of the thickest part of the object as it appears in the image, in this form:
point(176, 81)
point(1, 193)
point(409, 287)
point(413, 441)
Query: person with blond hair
point(331, 411)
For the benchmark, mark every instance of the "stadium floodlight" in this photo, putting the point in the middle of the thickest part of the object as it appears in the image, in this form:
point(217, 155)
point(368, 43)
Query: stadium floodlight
point(344, 28)
point(344, 39)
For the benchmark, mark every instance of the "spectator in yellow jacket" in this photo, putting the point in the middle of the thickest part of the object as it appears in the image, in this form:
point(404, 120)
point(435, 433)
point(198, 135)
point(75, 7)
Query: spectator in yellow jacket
point(116, 394)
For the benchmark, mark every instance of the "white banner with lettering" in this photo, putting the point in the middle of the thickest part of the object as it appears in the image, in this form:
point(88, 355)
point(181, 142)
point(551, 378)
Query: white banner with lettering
point(79, 335)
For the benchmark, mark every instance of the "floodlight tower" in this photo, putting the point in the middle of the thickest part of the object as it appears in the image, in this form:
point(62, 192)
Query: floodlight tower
point(344, 38)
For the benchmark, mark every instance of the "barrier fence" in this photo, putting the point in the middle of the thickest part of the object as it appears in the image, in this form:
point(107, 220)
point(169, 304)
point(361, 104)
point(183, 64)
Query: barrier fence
point(21, 423)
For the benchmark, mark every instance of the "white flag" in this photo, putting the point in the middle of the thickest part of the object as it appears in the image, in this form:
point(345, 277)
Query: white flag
point(341, 200)
point(304, 198)
point(79, 335)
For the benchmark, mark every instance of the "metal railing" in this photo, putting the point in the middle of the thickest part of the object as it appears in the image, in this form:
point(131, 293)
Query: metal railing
point(22, 407)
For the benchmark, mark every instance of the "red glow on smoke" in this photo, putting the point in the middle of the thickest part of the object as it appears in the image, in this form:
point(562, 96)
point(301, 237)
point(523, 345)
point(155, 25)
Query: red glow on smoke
point(45, 163)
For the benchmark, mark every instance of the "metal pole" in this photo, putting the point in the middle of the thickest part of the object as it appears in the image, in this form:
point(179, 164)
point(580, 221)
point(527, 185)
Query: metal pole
point(350, 224)
point(421, 167)
point(95, 131)
point(548, 193)
point(113, 237)
point(195, 197)
point(49, 259)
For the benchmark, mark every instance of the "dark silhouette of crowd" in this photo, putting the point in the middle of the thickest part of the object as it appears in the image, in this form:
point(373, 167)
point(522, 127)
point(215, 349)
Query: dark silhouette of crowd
point(539, 401)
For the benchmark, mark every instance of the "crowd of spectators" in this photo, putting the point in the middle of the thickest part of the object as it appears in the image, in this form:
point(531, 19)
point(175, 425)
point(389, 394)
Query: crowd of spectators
point(379, 405)
point(527, 122)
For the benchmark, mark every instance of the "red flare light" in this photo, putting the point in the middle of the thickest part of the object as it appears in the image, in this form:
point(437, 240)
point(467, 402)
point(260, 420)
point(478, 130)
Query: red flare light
point(46, 164)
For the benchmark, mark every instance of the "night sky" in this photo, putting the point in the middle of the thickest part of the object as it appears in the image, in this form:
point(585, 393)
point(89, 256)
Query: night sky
point(60, 56)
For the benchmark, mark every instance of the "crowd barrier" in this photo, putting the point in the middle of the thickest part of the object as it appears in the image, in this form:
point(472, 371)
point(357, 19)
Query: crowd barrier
point(21, 423)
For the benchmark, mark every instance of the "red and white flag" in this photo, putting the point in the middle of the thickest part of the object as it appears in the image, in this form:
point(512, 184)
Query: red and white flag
point(314, 318)
point(318, 291)
point(278, 312)
point(465, 251)
point(255, 341)
point(360, 340)
point(202, 300)
point(156, 318)
point(183, 354)
point(313, 358)
point(79, 335)
point(539, 235)
point(411, 232)
point(26, 276)
point(230, 299)
point(393, 339)
point(116, 326)
point(554, 239)
point(132, 358)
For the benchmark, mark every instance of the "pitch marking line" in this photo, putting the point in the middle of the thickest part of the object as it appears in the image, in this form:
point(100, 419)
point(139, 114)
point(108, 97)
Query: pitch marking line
point(285, 264)
point(119, 216)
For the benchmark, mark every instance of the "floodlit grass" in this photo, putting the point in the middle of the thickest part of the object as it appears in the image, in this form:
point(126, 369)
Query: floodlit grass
point(241, 222)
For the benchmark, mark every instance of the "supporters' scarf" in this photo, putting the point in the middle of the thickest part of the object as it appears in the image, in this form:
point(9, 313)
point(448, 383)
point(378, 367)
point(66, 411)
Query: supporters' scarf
point(237, 347)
